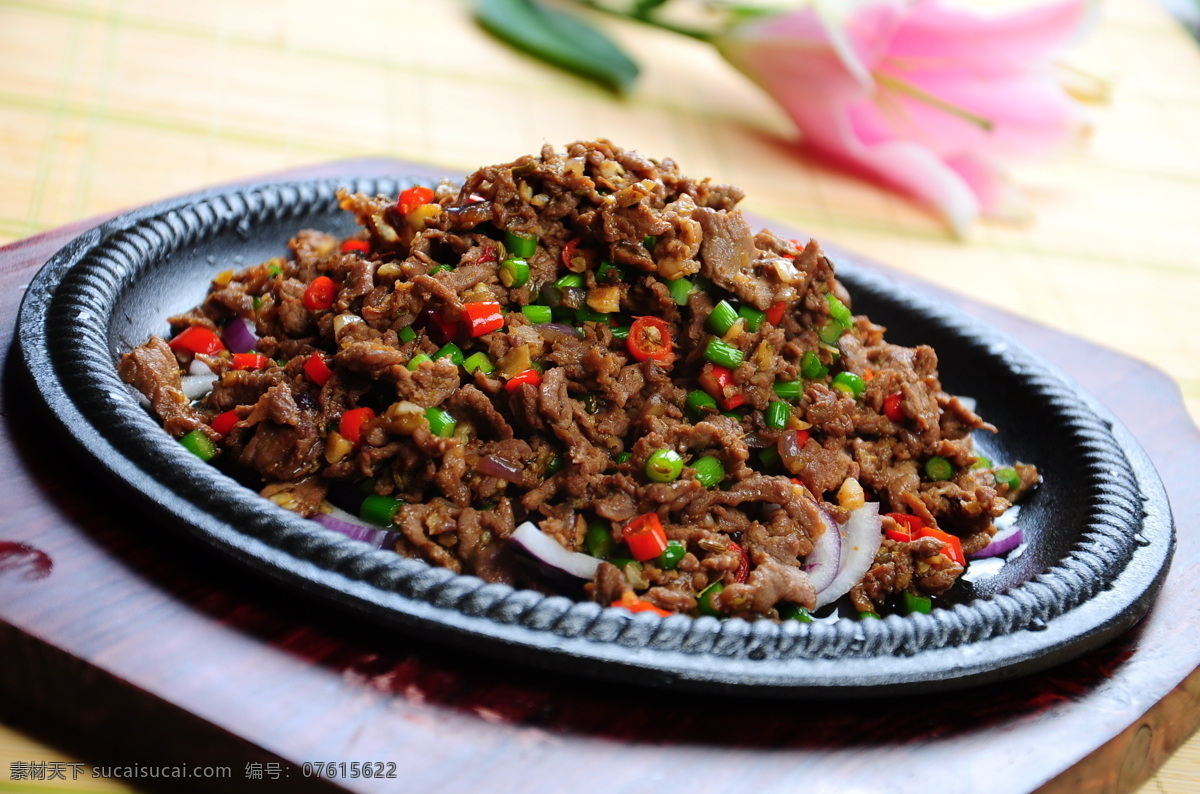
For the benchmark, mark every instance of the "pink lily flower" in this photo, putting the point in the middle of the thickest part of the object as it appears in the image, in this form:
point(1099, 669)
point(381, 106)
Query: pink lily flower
point(926, 98)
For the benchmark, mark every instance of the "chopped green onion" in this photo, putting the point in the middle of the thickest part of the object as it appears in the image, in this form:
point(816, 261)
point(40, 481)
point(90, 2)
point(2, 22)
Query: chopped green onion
point(441, 424)
point(671, 556)
point(704, 600)
point(591, 402)
point(778, 414)
point(407, 334)
point(734, 415)
point(664, 465)
point(769, 457)
point(451, 350)
point(634, 573)
point(703, 283)
point(537, 313)
point(257, 303)
point(838, 310)
point(723, 354)
point(708, 471)
point(555, 465)
point(609, 273)
point(522, 245)
point(701, 403)
point(789, 390)
point(367, 486)
point(479, 361)
point(417, 360)
point(621, 561)
point(621, 333)
point(599, 540)
point(563, 314)
point(753, 318)
point(938, 469)
point(868, 616)
point(915, 603)
point(569, 280)
point(830, 332)
point(981, 463)
point(199, 445)
point(789, 611)
point(586, 314)
point(514, 272)
point(622, 457)
point(811, 366)
point(274, 270)
point(849, 383)
point(680, 289)
point(439, 268)
point(722, 318)
point(379, 510)
point(649, 241)
point(1006, 476)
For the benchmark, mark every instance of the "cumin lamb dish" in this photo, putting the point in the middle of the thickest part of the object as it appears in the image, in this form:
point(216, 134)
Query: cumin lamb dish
point(583, 372)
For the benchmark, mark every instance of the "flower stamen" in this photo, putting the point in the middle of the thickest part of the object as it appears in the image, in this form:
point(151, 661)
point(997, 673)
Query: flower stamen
point(908, 89)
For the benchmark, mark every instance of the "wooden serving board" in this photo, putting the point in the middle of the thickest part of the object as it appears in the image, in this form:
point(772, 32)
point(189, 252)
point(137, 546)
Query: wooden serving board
point(168, 653)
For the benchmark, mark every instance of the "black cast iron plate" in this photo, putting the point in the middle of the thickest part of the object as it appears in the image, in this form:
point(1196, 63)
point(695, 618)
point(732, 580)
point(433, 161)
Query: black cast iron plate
point(1099, 529)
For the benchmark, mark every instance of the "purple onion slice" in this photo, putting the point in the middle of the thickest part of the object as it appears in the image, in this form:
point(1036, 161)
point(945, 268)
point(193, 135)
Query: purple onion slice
point(1003, 542)
point(550, 552)
point(501, 468)
point(240, 336)
point(340, 521)
point(822, 564)
point(554, 330)
point(861, 538)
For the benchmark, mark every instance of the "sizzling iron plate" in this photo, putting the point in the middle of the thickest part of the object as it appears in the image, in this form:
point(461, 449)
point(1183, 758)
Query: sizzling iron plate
point(1099, 528)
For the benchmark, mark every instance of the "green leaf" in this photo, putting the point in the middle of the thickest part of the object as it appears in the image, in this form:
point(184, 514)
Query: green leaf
point(558, 38)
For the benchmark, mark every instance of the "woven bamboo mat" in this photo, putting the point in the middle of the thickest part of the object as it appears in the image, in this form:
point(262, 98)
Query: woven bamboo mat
point(114, 103)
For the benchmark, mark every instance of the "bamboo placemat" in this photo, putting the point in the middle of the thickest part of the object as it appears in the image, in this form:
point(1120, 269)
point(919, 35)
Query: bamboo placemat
point(114, 103)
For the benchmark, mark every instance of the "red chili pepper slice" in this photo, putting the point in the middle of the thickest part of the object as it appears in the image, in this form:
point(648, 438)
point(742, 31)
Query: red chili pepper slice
point(319, 295)
point(352, 422)
point(568, 253)
point(530, 376)
point(743, 571)
point(488, 255)
point(634, 604)
point(775, 313)
point(412, 198)
point(356, 245)
point(718, 381)
point(649, 339)
point(250, 361)
point(483, 317)
point(317, 369)
point(224, 422)
point(891, 407)
point(440, 329)
point(645, 537)
point(953, 548)
point(197, 339)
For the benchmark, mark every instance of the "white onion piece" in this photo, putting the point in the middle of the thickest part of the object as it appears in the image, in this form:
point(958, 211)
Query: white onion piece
point(822, 564)
point(861, 538)
point(239, 336)
point(197, 386)
point(551, 552)
point(1003, 542)
point(968, 402)
point(340, 521)
point(198, 367)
